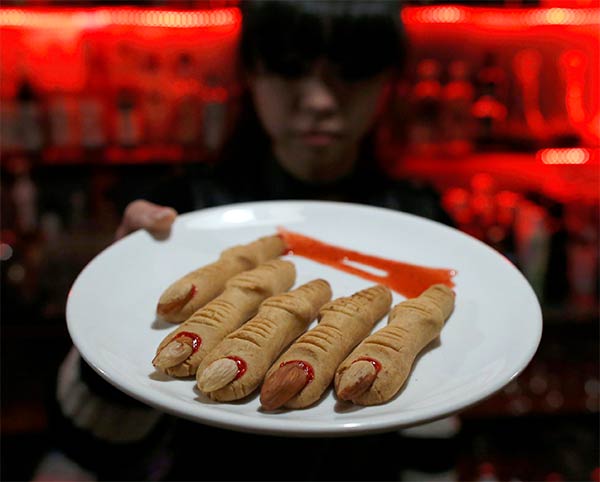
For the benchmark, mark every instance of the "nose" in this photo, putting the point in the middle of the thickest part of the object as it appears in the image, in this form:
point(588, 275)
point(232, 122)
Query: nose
point(317, 97)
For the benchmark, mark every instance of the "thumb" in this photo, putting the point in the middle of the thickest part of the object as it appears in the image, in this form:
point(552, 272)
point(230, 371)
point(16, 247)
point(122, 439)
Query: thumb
point(142, 214)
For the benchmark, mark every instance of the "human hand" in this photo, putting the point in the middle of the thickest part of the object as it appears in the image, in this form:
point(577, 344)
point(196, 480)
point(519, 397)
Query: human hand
point(141, 214)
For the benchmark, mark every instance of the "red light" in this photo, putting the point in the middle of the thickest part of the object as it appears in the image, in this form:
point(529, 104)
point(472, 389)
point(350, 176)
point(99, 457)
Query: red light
point(574, 155)
point(119, 16)
point(501, 17)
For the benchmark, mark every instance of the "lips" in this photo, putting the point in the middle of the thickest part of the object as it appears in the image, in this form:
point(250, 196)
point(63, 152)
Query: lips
point(320, 137)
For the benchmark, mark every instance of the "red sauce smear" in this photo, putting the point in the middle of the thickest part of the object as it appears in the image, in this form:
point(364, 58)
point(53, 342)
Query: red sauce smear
point(407, 279)
point(241, 364)
point(373, 362)
point(308, 369)
point(191, 294)
point(196, 340)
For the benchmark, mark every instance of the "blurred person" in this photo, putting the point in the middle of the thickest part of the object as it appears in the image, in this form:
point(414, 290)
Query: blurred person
point(318, 77)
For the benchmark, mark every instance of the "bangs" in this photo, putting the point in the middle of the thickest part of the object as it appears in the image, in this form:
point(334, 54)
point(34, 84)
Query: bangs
point(285, 37)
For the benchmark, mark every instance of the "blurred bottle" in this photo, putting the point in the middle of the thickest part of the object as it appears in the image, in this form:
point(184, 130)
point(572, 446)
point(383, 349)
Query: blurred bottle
point(215, 113)
point(155, 104)
point(24, 196)
point(501, 234)
point(457, 119)
point(188, 120)
point(29, 117)
point(528, 127)
point(582, 255)
point(489, 108)
point(156, 120)
point(92, 113)
point(532, 237)
point(9, 125)
point(556, 289)
point(23, 270)
point(128, 119)
point(482, 205)
point(188, 107)
point(60, 120)
point(426, 98)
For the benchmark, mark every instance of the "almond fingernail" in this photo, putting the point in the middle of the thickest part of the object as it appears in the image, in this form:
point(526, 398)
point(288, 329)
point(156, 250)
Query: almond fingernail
point(281, 385)
point(218, 374)
point(172, 354)
point(356, 380)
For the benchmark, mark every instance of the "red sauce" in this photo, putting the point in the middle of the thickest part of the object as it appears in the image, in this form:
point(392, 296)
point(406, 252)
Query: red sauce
point(407, 279)
point(373, 362)
point(191, 293)
point(308, 369)
point(196, 340)
point(241, 364)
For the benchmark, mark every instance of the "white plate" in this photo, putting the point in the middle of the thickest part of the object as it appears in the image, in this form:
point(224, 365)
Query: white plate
point(488, 340)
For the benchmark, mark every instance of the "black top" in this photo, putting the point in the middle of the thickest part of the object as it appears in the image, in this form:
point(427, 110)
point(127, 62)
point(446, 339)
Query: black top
point(260, 177)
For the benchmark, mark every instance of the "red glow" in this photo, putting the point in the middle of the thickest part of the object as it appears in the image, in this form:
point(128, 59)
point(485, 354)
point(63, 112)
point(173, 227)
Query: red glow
point(574, 64)
point(501, 17)
point(104, 17)
point(527, 66)
point(573, 155)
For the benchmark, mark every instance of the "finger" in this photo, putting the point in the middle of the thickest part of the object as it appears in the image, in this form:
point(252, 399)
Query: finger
point(141, 214)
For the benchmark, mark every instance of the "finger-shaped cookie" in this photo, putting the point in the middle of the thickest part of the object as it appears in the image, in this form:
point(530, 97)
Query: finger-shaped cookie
point(302, 374)
point(237, 365)
point(180, 353)
point(379, 366)
point(192, 291)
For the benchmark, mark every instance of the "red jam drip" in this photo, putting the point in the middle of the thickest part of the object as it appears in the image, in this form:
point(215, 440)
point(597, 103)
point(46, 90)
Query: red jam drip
point(241, 364)
point(308, 369)
point(196, 340)
point(407, 279)
point(191, 294)
point(373, 362)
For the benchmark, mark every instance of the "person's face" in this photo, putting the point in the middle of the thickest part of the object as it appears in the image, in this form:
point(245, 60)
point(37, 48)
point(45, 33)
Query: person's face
point(316, 121)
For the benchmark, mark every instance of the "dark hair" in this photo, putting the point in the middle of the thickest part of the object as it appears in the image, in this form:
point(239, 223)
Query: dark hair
point(361, 38)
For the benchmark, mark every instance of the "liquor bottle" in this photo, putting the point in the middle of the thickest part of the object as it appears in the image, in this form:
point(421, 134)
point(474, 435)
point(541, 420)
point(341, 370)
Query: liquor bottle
point(24, 196)
point(426, 107)
point(215, 113)
point(501, 234)
point(60, 121)
point(91, 115)
point(188, 107)
point(92, 107)
point(155, 104)
point(128, 122)
point(533, 243)
point(482, 205)
point(29, 117)
point(489, 108)
point(457, 99)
